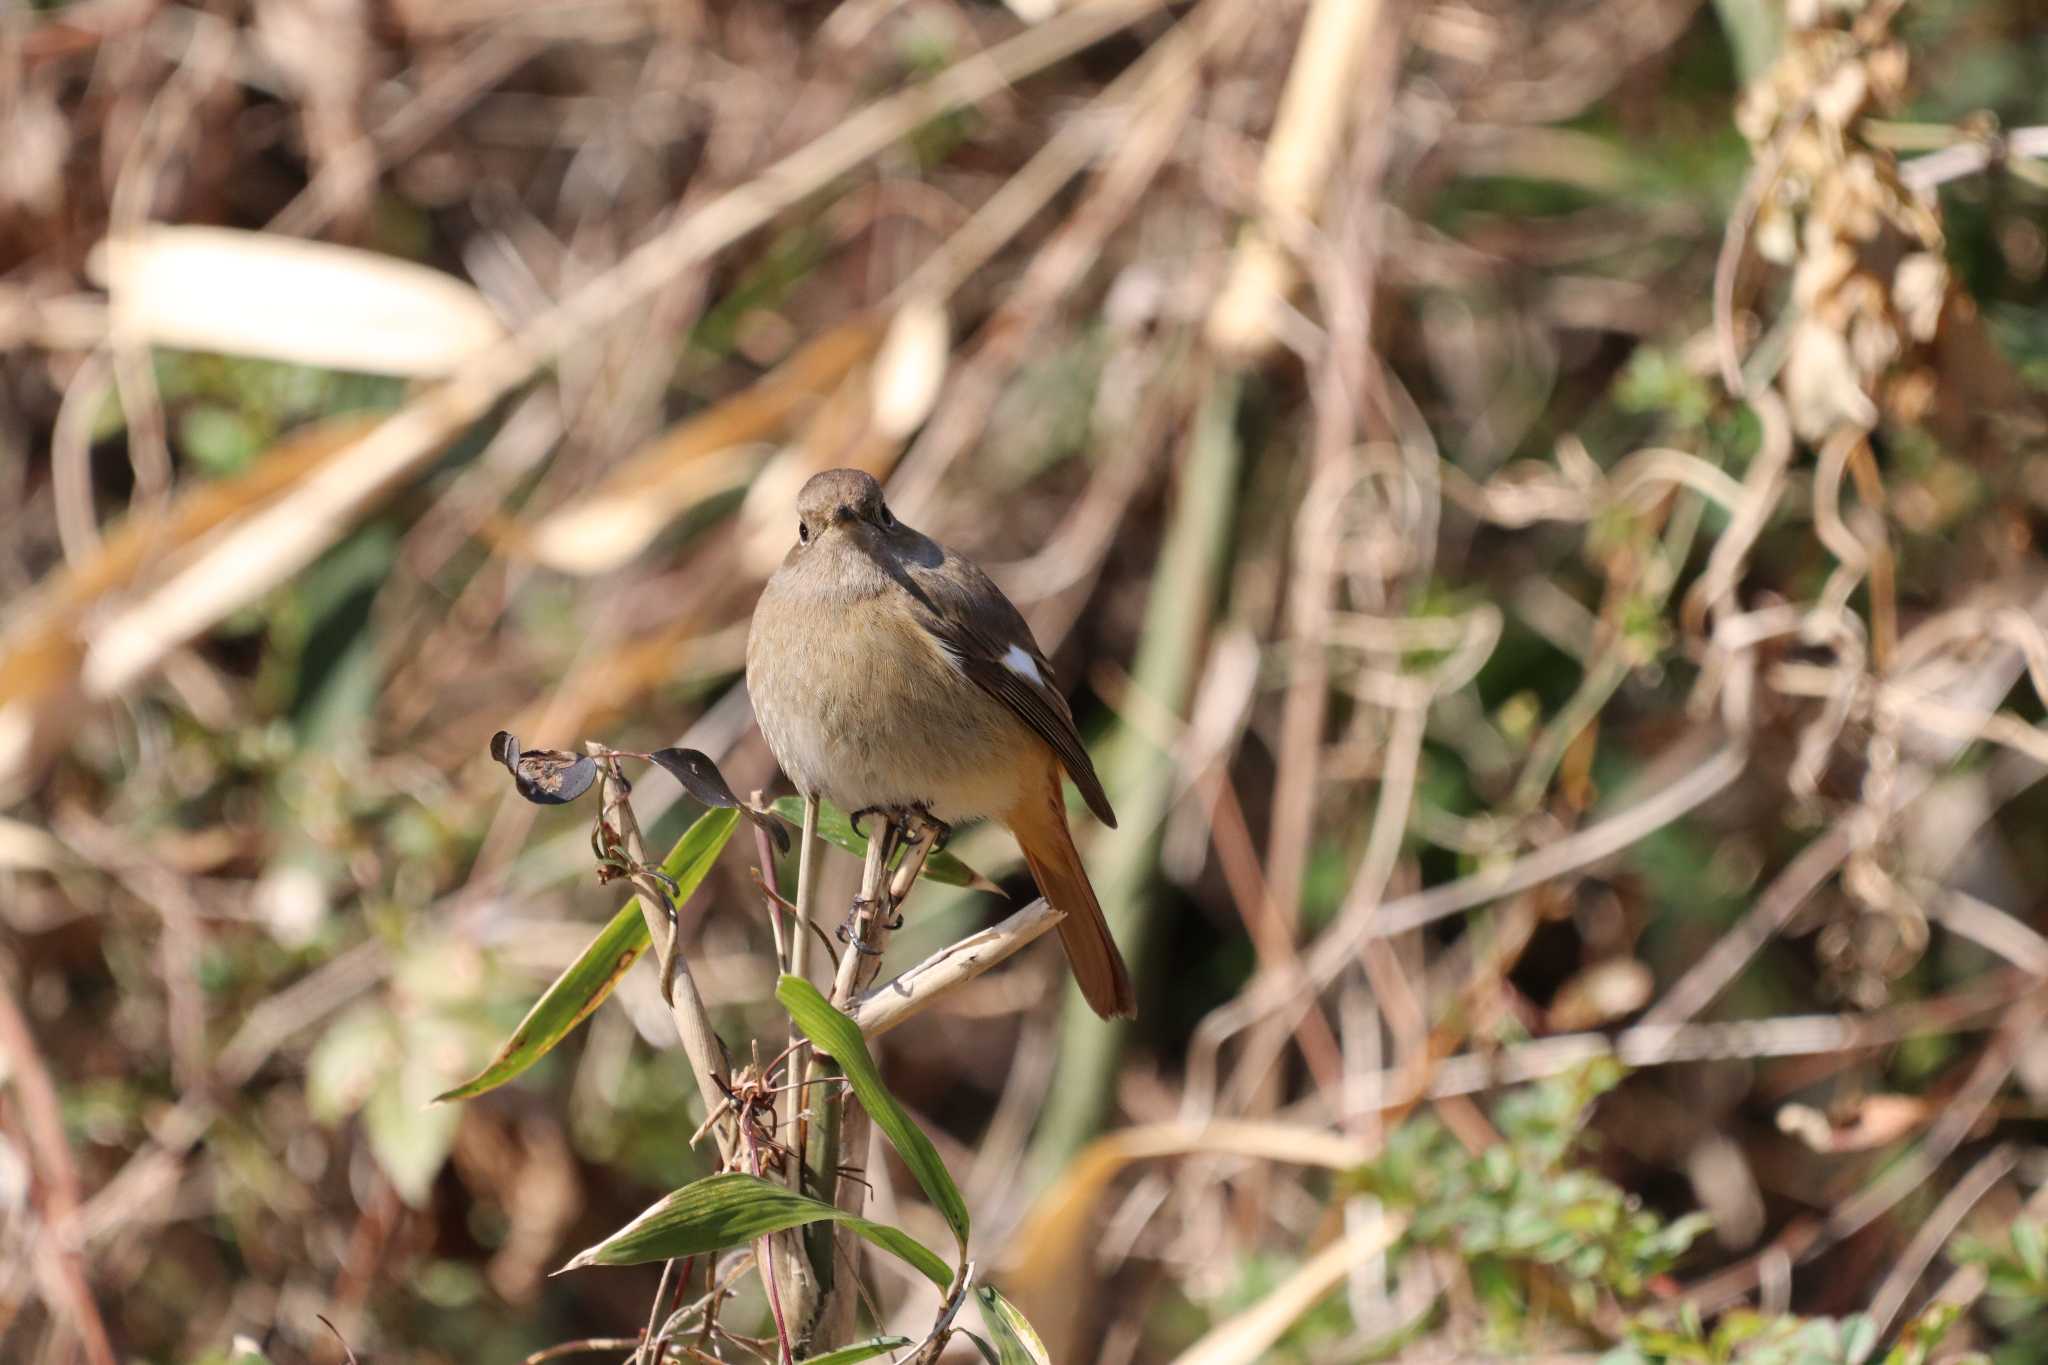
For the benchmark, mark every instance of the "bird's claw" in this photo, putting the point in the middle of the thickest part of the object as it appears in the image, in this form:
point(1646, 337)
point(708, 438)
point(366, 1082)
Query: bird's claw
point(849, 928)
point(919, 824)
point(860, 816)
point(853, 941)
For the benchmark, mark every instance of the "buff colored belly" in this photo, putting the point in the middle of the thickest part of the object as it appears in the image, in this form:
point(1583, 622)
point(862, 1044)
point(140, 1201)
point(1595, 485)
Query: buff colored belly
point(868, 712)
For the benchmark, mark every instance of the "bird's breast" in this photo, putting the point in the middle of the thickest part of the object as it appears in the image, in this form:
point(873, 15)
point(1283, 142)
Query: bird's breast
point(860, 705)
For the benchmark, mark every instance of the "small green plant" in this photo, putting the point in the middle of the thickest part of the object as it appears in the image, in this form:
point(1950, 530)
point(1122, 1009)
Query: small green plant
point(2016, 1290)
point(1522, 1206)
point(1745, 1337)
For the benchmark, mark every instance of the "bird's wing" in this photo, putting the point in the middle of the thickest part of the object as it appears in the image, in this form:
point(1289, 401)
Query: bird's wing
point(984, 634)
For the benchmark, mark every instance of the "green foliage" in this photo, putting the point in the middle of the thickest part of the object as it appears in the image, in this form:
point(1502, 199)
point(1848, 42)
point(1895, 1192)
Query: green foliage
point(1016, 1341)
point(1659, 382)
point(2017, 1269)
point(585, 983)
point(1521, 1203)
point(839, 1037)
point(1048, 412)
point(1744, 1337)
point(859, 1351)
point(733, 1208)
point(226, 410)
point(791, 257)
point(385, 1058)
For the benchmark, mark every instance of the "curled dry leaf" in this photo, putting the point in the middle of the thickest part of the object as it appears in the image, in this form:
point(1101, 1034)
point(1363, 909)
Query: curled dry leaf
point(1822, 385)
point(546, 777)
point(1919, 291)
point(1602, 992)
point(281, 298)
point(700, 777)
point(1876, 1121)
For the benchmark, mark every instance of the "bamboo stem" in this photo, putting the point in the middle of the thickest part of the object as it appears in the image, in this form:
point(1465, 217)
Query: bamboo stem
point(842, 1121)
point(881, 1008)
point(701, 1043)
point(796, 1103)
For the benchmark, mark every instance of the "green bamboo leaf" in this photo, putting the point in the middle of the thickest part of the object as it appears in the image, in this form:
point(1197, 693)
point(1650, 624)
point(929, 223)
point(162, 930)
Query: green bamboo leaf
point(2030, 1245)
point(839, 1037)
point(1017, 1342)
point(583, 986)
point(732, 1209)
point(835, 829)
point(859, 1351)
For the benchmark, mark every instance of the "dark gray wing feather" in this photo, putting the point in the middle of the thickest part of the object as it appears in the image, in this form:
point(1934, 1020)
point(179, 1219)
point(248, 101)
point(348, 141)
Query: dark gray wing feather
point(971, 618)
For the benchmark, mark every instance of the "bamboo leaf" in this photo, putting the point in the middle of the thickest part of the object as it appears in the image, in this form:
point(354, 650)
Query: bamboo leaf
point(838, 1036)
point(859, 1351)
point(284, 298)
point(835, 829)
point(732, 1209)
point(585, 983)
point(1017, 1342)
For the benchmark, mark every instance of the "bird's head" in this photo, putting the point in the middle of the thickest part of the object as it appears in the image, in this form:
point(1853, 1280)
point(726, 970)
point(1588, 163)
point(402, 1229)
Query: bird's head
point(842, 503)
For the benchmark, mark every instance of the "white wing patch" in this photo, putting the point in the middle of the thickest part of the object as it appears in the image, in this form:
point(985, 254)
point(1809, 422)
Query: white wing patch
point(1019, 661)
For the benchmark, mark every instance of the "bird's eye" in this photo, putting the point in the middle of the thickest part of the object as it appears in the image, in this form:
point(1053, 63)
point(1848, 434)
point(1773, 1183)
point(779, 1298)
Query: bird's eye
point(803, 534)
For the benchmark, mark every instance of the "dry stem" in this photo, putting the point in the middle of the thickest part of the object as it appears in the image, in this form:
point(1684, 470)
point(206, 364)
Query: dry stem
point(883, 1007)
point(701, 1043)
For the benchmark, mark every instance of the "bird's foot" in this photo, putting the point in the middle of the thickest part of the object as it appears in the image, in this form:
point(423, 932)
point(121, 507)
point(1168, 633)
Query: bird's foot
point(922, 825)
point(849, 929)
point(859, 817)
point(851, 939)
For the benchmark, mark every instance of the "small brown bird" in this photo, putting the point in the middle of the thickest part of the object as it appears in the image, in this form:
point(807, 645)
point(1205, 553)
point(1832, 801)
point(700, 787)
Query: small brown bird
point(890, 674)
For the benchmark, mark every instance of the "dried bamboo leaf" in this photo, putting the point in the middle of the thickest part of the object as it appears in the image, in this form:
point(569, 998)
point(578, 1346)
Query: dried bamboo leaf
point(282, 298)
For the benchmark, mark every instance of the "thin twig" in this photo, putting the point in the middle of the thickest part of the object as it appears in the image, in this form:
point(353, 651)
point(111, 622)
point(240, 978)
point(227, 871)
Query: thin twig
point(587, 1346)
point(1763, 176)
point(1933, 1234)
point(59, 1260)
point(1661, 1045)
point(1960, 1115)
point(649, 1353)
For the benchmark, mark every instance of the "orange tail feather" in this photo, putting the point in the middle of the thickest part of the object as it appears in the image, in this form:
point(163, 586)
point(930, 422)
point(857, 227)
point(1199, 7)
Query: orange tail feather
point(1040, 824)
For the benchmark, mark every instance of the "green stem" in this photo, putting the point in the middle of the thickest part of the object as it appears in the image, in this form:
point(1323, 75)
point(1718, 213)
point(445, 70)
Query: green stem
point(1186, 582)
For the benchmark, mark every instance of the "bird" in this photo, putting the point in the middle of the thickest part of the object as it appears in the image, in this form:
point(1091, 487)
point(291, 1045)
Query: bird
point(890, 674)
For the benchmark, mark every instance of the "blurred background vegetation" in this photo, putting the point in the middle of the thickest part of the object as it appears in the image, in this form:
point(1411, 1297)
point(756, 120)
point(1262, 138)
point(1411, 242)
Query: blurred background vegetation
point(1536, 505)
